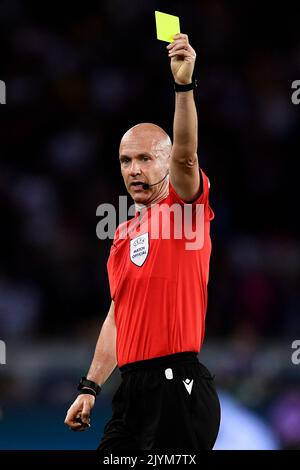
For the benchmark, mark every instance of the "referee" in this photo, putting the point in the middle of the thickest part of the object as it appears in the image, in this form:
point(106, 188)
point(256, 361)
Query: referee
point(155, 325)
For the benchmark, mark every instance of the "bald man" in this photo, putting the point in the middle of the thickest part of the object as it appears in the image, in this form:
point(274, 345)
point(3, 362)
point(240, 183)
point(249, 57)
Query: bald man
point(155, 325)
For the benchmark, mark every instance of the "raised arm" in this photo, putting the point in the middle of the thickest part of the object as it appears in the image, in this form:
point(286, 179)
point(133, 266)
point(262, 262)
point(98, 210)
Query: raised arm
point(184, 168)
point(102, 365)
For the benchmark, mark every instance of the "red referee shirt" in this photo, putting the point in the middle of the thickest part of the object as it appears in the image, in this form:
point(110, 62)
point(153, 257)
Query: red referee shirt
point(159, 287)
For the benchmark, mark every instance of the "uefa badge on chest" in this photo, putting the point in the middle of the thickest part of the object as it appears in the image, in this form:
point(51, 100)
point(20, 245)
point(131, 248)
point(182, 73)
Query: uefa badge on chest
point(139, 249)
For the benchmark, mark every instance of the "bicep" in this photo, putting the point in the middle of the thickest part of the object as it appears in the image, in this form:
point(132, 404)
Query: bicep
point(185, 178)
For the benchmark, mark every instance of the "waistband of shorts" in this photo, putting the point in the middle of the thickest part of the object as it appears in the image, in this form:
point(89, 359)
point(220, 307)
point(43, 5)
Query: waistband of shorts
point(161, 361)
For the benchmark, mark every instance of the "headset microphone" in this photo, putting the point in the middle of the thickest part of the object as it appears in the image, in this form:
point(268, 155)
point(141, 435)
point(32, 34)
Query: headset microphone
point(147, 186)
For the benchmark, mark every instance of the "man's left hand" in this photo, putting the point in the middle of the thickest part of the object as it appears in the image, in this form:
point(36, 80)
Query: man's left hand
point(183, 59)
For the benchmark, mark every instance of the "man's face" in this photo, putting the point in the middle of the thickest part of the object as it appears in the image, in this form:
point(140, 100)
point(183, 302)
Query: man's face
point(143, 159)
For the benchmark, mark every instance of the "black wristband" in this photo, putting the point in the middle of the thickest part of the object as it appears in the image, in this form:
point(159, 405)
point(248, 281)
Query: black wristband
point(89, 384)
point(187, 87)
point(87, 391)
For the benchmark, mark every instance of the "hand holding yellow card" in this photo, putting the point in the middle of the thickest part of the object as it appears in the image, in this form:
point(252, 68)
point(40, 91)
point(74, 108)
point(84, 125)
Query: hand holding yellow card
point(166, 26)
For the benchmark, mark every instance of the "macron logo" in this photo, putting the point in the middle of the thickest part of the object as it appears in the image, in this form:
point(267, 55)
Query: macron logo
point(188, 385)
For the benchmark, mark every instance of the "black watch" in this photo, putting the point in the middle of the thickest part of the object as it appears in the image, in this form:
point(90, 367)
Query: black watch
point(85, 383)
point(187, 87)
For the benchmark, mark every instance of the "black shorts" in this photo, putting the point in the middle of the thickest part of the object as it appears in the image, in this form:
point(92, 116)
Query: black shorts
point(167, 403)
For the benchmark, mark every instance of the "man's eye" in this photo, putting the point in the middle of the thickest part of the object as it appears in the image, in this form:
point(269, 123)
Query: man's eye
point(145, 159)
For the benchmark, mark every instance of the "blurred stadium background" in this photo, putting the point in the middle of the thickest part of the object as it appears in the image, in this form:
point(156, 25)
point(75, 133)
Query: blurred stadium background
point(77, 78)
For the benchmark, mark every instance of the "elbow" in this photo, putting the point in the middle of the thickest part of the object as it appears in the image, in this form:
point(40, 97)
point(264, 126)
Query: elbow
point(187, 159)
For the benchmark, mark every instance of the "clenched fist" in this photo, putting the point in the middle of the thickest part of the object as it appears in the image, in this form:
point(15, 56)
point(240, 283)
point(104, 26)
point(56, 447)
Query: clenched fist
point(78, 415)
point(183, 59)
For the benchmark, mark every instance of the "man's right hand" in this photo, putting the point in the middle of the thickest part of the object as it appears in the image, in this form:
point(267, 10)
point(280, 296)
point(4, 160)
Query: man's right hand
point(78, 415)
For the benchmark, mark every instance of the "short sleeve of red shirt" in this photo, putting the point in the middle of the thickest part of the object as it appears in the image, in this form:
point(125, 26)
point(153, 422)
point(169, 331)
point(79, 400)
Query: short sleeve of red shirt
point(203, 197)
point(116, 268)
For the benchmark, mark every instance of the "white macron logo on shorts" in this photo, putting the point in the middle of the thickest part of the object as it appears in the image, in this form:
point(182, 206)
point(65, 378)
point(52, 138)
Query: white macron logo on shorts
point(188, 385)
point(139, 249)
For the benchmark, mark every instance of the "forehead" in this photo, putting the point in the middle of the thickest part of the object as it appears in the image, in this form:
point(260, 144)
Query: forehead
point(136, 144)
point(145, 138)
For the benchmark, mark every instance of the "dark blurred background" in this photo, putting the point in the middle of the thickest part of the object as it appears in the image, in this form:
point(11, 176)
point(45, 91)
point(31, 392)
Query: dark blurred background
point(77, 77)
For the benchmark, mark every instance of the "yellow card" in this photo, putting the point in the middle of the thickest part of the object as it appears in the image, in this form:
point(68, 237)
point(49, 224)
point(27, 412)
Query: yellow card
point(166, 26)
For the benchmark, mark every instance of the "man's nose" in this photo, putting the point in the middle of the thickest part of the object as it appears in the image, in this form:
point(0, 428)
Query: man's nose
point(135, 169)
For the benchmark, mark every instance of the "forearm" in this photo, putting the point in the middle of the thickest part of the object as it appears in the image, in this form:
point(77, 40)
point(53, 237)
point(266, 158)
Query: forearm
point(185, 138)
point(105, 359)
